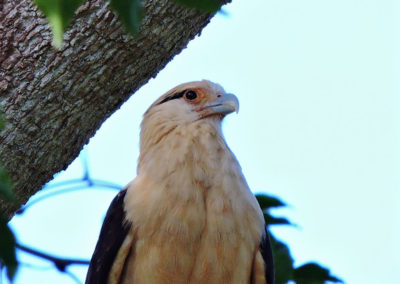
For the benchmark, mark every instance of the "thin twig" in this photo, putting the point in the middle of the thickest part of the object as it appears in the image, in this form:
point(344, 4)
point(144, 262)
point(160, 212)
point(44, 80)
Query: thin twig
point(35, 266)
point(50, 190)
point(100, 184)
point(73, 277)
point(49, 186)
point(60, 263)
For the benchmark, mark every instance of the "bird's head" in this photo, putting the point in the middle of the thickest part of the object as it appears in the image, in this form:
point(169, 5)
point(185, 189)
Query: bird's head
point(192, 101)
point(185, 107)
point(185, 119)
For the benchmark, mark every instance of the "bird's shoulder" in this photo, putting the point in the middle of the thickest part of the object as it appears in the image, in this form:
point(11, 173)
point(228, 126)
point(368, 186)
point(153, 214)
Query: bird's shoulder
point(112, 234)
point(266, 252)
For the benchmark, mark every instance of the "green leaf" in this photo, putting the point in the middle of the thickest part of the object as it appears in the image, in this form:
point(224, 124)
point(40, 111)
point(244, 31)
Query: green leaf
point(7, 249)
point(6, 189)
point(130, 13)
point(313, 273)
point(283, 261)
point(271, 220)
point(59, 13)
point(202, 5)
point(266, 202)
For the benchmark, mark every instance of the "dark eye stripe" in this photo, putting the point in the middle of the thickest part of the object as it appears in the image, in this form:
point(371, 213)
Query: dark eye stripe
point(173, 97)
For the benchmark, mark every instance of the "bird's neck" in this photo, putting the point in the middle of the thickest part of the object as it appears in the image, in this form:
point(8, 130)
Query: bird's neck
point(187, 176)
point(193, 149)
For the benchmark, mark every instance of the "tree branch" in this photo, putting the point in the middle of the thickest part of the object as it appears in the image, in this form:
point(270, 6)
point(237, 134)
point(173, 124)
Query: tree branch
point(55, 100)
point(60, 263)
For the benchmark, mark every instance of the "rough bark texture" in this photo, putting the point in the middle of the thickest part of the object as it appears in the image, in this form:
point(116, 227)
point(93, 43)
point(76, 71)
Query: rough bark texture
point(54, 100)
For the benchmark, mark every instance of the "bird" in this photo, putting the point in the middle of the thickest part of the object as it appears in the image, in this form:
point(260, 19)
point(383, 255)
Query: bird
point(189, 216)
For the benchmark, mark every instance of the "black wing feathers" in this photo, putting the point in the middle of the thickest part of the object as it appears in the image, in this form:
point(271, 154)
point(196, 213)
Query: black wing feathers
point(266, 252)
point(112, 235)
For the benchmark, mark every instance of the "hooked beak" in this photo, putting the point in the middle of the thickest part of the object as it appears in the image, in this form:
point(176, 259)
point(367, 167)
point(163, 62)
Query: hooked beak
point(225, 104)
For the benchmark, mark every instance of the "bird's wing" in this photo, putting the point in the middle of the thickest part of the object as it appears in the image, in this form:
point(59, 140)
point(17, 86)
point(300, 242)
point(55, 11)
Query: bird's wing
point(113, 235)
point(266, 252)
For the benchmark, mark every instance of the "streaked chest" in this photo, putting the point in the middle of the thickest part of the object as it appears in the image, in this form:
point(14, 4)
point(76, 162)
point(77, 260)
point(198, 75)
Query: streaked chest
point(193, 236)
point(194, 220)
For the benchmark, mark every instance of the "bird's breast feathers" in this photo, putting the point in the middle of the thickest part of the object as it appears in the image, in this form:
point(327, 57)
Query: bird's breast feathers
point(194, 220)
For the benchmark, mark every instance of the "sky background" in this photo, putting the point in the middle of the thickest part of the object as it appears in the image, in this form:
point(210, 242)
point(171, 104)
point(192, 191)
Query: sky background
point(318, 127)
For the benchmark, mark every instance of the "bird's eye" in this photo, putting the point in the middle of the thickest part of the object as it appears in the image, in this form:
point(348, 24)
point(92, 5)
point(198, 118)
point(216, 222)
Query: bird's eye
point(191, 95)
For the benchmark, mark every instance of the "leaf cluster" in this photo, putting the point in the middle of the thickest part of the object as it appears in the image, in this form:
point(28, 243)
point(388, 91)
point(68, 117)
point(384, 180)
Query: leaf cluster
point(60, 13)
point(309, 273)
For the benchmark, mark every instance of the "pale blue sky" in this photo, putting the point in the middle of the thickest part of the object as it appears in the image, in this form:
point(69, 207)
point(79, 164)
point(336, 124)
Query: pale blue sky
point(318, 126)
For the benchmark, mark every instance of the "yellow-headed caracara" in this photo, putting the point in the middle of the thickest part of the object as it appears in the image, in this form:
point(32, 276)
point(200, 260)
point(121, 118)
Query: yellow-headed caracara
point(189, 215)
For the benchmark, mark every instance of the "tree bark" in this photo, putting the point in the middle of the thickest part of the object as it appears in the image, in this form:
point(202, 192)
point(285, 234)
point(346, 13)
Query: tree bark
point(53, 101)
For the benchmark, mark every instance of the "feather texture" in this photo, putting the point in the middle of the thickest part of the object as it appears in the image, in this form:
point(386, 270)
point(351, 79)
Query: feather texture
point(194, 218)
point(113, 233)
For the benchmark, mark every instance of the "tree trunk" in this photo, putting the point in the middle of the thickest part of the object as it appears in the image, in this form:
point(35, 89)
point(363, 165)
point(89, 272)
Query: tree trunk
point(53, 101)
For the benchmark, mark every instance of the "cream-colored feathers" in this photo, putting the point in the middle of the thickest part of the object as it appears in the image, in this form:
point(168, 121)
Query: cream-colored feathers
point(194, 219)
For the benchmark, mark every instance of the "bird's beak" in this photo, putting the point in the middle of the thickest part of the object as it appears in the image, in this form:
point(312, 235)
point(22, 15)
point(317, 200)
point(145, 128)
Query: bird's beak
point(223, 105)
